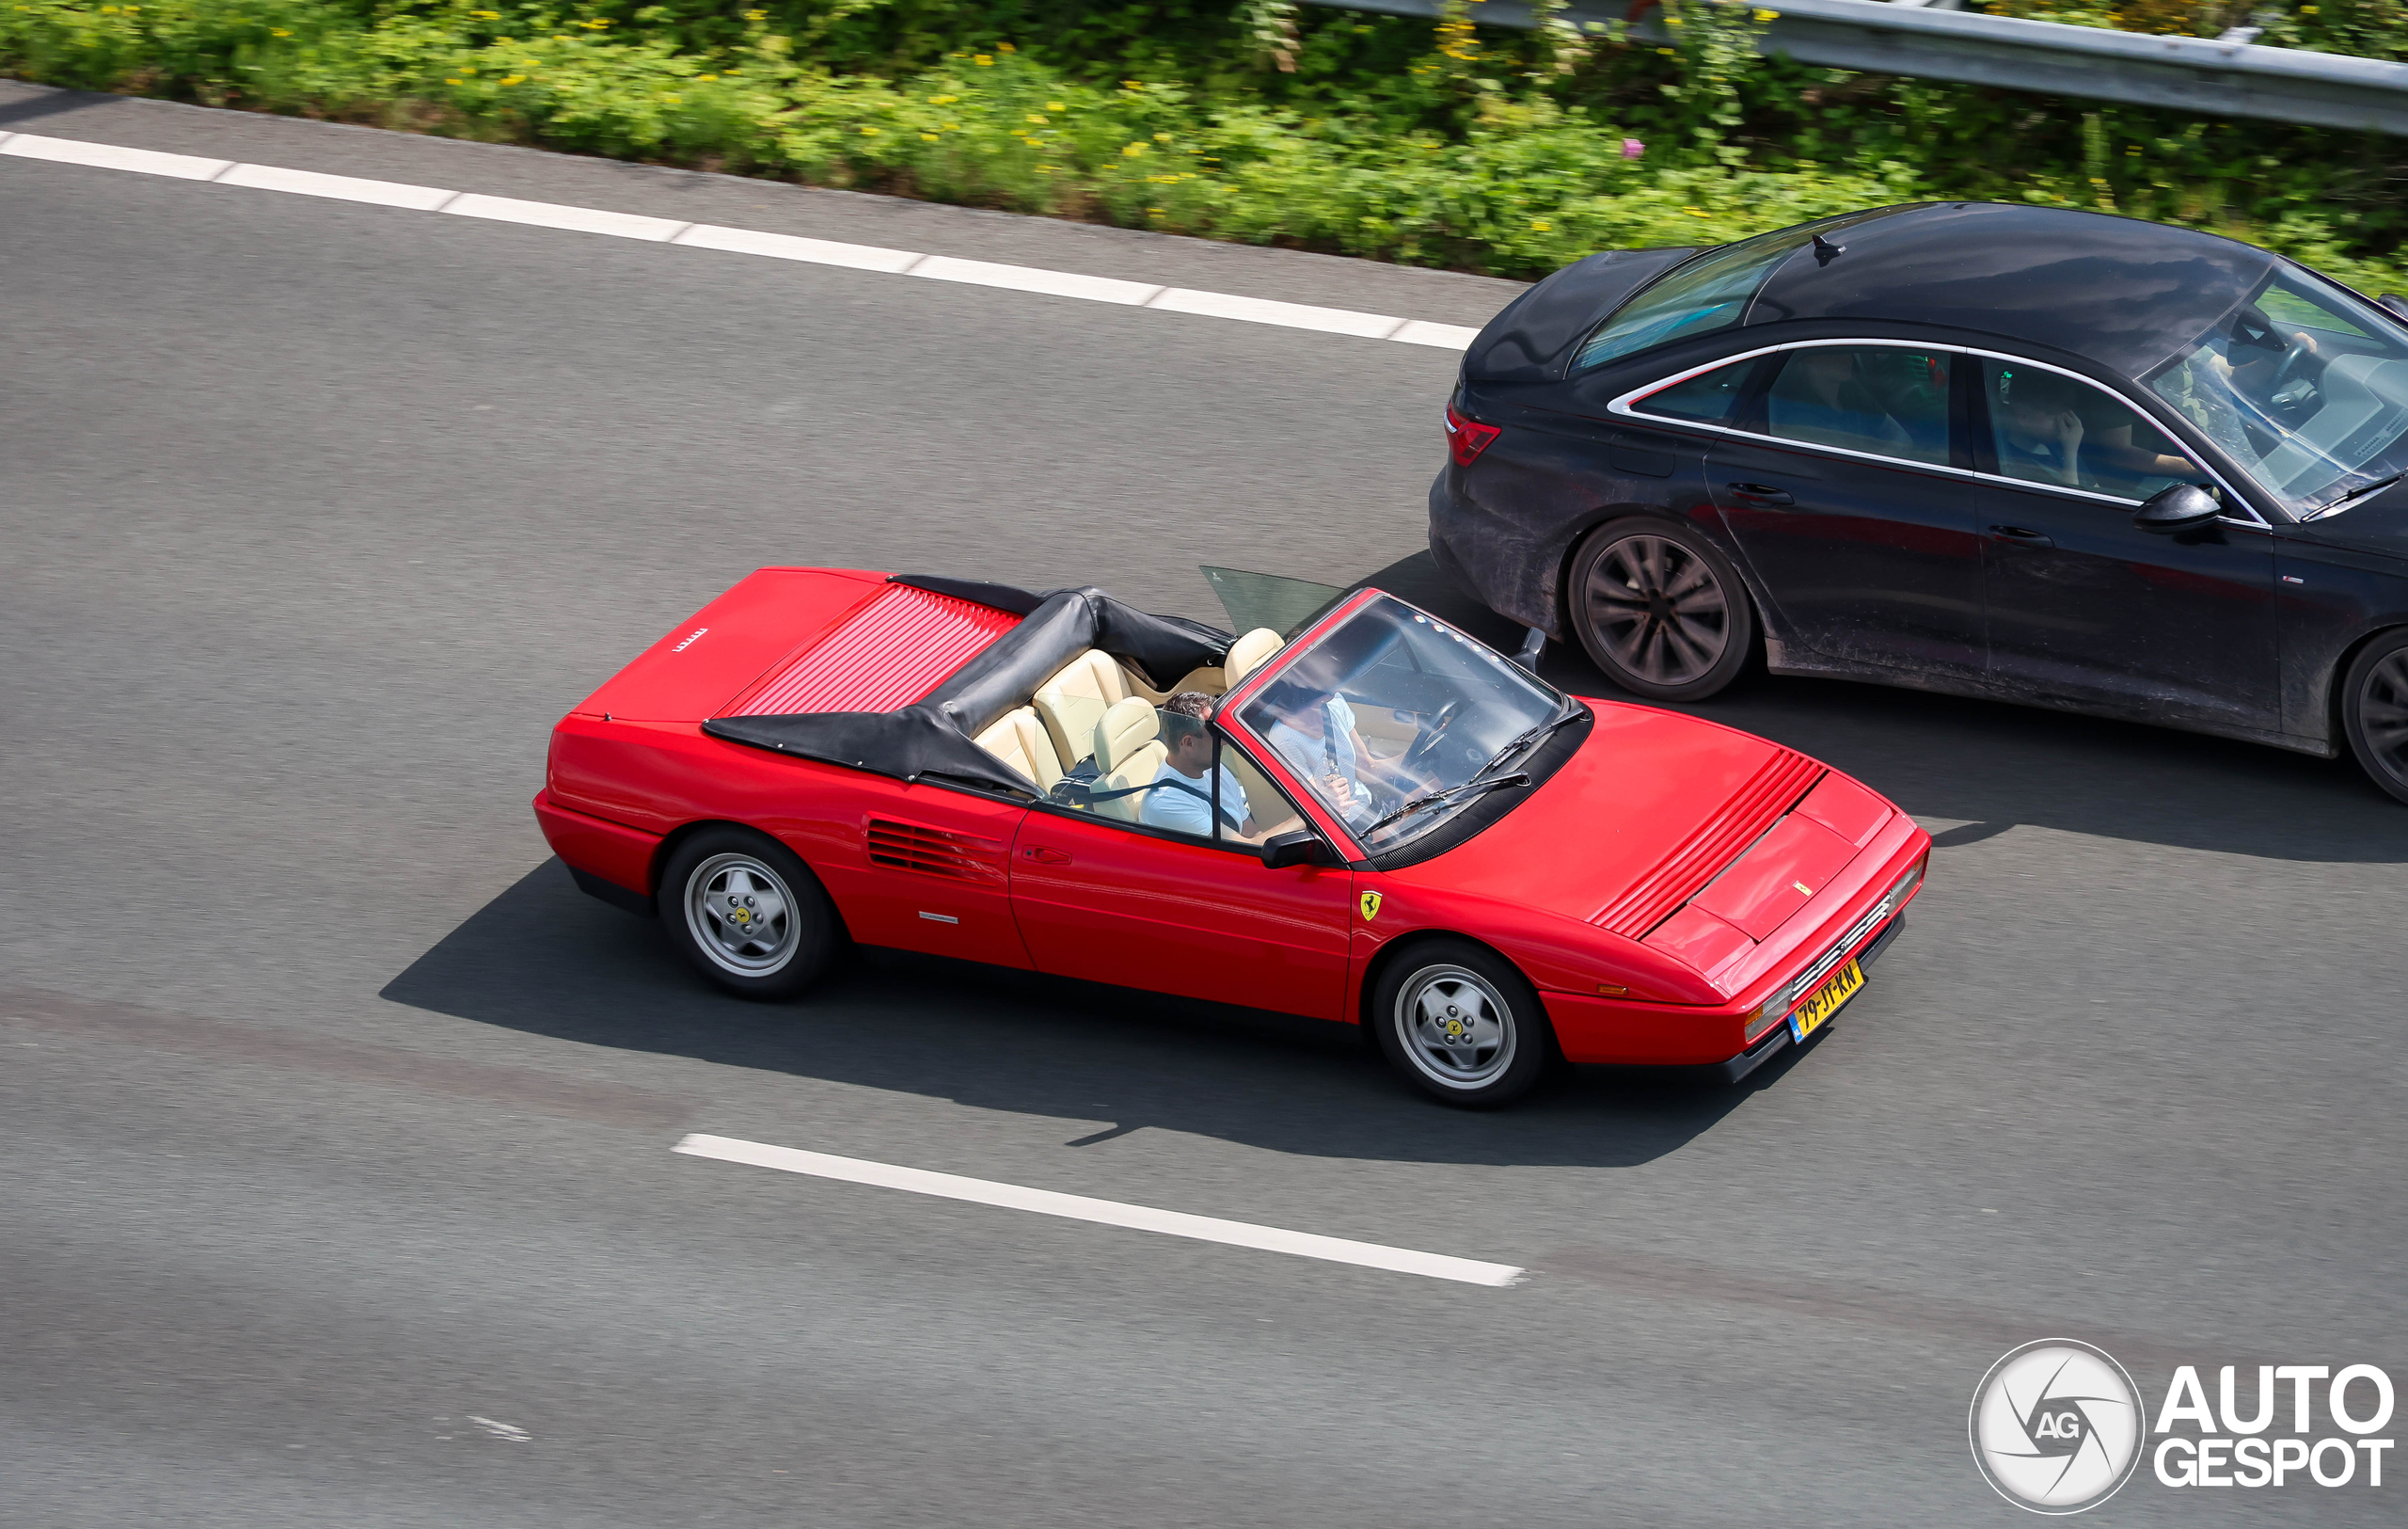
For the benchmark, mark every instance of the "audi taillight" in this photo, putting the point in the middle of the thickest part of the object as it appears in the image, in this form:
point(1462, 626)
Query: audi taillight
point(1466, 439)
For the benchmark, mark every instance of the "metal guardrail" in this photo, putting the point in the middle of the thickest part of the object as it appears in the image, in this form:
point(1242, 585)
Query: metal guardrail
point(2194, 74)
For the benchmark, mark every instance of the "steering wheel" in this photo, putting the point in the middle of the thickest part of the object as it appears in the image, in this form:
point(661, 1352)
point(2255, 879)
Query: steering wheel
point(1428, 742)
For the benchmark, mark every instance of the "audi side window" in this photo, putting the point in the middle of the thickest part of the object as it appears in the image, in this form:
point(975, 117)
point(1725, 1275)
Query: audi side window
point(1884, 400)
point(1708, 398)
point(2047, 428)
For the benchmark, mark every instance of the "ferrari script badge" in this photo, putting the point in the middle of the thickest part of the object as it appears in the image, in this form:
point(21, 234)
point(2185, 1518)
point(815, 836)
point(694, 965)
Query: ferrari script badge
point(1371, 906)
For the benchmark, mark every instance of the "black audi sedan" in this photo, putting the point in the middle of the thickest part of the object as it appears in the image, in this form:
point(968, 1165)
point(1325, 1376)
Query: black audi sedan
point(2029, 453)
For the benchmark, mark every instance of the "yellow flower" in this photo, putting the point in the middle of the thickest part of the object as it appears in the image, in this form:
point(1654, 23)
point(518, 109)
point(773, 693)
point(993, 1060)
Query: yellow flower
point(1005, 47)
point(1032, 116)
point(1132, 151)
point(450, 81)
point(868, 132)
point(1763, 15)
point(1132, 85)
point(513, 79)
point(1539, 226)
point(983, 61)
point(928, 138)
point(1056, 105)
point(1694, 212)
point(1666, 52)
point(942, 101)
point(277, 31)
point(698, 78)
point(756, 15)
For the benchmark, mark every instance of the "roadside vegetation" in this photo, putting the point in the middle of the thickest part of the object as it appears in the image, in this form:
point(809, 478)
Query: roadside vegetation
point(1257, 120)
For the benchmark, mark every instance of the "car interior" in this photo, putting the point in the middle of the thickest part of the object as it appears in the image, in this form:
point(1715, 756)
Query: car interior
point(1094, 722)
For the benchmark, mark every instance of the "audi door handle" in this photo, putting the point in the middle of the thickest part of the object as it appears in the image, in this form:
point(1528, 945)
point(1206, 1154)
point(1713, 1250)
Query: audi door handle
point(2021, 536)
point(1046, 857)
point(1759, 493)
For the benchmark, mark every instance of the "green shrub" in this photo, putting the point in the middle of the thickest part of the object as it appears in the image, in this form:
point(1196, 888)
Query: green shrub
point(1507, 153)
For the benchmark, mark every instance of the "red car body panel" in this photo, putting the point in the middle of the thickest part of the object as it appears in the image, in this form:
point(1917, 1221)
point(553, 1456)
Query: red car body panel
point(1658, 888)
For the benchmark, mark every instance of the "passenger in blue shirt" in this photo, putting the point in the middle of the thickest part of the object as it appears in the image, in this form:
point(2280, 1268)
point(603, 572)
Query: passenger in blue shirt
point(1182, 795)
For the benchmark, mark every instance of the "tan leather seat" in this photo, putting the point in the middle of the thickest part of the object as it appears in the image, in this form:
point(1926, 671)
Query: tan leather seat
point(1247, 653)
point(1021, 740)
point(1127, 753)
point(1073, 701)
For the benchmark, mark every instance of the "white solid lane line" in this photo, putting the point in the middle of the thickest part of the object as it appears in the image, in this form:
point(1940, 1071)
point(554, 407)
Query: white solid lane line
point(108, 156)
point(552, 214)
point(1221, 305)
point(1105, 1212)
point(418, 198)
point(979, 272)
point(792, 246)
point(1098, 289)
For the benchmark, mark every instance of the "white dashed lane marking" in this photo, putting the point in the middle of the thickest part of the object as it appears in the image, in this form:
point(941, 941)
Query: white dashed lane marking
point(1104, 1212)
point(546, 214)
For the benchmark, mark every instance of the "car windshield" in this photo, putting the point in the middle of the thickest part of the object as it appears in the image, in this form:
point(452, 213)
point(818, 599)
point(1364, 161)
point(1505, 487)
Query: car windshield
point(2303, 386)
point(1397, 721)
point(1703, 294)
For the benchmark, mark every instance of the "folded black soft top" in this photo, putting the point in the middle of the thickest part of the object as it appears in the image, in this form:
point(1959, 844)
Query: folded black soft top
point(932, 736)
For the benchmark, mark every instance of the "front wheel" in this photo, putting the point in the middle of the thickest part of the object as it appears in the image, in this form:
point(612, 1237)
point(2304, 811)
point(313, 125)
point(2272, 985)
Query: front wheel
point(1461, 1023)
point(1659, 609)
point(2374, 712)
point(747, 912)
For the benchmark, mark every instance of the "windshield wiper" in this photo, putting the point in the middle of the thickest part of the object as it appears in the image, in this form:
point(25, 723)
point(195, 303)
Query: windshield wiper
point(1532, 736)
point(1452, 793)
point(2354, 495)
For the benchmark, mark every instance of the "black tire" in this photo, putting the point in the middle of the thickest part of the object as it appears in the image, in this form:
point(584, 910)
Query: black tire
point(2374, 711)
point(1659, 609)
point(748, 914)
point(1437, 984)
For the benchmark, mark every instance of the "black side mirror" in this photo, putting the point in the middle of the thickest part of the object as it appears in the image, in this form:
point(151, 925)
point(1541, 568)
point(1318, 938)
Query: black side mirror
point(2179, 507)
point(1297, 847)
point(2396, 303)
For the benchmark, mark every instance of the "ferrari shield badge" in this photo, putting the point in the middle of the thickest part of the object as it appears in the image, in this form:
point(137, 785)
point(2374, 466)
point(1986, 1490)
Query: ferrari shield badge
point(1371, 906)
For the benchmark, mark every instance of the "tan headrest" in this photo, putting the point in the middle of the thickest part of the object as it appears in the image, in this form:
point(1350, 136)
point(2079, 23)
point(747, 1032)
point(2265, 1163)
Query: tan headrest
point(1247, 653)
point(1127, 727)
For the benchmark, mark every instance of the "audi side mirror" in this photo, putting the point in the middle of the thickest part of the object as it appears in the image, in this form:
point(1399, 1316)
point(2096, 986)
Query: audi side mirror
point(1297, 847)
point(2179, 507)
point(2395, 303)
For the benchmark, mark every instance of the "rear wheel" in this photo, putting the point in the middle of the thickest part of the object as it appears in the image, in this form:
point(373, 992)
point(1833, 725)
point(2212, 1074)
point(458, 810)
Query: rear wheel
point(747, 912)
point(2374, 712)
point(1459, 1022)
point(1660, 610)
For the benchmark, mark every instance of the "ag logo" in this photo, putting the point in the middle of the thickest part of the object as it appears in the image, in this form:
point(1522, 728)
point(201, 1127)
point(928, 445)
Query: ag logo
point(1371, 906)
point(2056, 1427)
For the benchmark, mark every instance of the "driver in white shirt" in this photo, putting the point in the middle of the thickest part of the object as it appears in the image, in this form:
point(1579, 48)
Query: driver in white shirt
point(1182, 795)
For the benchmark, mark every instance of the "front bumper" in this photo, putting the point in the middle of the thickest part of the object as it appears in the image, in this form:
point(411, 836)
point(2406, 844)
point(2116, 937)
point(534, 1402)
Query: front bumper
point(1774, 1040)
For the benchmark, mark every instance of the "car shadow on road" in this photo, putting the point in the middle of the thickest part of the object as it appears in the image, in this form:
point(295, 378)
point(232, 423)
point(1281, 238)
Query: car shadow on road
point(545, 959)
point(1991, 766)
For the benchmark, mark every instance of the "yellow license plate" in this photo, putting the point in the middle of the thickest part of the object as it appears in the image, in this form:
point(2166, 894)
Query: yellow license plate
point(1808, 1016)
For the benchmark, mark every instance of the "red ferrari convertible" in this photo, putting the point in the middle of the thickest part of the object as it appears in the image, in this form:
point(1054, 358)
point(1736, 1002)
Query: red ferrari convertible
point(1378, 821)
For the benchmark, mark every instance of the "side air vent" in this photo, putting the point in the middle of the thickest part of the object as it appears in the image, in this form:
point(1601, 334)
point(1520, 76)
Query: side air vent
point(1685, 873)
point(934, 852)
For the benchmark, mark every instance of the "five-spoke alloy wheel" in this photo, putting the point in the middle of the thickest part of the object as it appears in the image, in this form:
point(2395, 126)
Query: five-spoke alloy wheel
point(747, 912)
point(2374, 712)
point(1459, 1021)
point(1659, 609)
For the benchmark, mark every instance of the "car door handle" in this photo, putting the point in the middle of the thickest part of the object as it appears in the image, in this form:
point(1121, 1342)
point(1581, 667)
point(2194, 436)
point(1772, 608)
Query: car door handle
point(1044, 856)
point(2021, 536)
point(1761, 493)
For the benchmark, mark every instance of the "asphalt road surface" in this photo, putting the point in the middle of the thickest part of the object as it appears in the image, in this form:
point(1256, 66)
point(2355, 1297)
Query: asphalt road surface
point(338, 1185)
